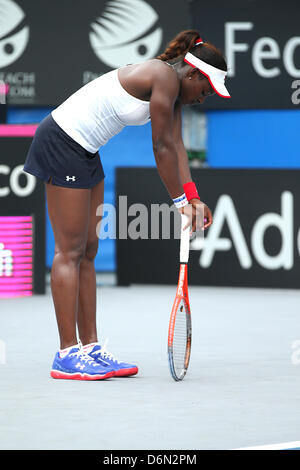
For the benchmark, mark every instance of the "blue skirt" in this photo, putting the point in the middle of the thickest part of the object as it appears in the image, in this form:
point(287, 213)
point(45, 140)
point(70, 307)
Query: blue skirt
point(54, 156)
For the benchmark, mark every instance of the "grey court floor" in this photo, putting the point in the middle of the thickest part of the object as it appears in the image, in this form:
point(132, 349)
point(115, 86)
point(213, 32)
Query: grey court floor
point(242, 388)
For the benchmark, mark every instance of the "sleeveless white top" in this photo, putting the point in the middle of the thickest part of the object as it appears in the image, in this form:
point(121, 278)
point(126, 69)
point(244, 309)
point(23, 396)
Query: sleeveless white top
point(99, 110)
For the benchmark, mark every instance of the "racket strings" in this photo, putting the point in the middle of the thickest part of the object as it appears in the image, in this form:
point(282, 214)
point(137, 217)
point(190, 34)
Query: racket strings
point(180, 340)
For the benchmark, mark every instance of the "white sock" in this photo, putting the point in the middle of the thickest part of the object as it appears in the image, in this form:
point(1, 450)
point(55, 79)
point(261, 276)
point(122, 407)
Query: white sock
point(88, 347)
point(65, 352)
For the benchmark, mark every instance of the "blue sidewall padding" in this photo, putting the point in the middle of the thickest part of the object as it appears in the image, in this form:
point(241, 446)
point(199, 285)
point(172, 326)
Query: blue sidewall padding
point(254, 139)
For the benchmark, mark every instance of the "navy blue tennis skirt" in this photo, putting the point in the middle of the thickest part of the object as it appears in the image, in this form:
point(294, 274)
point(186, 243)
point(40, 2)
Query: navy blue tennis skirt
point(54, 156)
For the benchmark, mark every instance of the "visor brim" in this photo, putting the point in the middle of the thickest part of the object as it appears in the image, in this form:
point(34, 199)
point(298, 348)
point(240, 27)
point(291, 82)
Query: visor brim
point(220, 89)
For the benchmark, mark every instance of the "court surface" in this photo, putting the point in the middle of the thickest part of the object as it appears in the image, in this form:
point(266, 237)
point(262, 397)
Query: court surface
point(241, 390)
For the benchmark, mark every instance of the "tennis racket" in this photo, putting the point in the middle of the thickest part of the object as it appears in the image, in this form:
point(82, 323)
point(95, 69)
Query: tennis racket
point(180, 326)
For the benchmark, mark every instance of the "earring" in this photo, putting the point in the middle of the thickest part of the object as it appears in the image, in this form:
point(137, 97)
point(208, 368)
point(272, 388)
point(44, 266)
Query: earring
point(190, 78)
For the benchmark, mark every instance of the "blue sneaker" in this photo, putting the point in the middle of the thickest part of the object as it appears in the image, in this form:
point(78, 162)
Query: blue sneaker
point(100, 355)
point(77, 365)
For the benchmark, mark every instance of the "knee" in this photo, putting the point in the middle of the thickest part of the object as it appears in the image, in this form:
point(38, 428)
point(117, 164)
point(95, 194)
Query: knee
point(91, 250)
point(73, 254)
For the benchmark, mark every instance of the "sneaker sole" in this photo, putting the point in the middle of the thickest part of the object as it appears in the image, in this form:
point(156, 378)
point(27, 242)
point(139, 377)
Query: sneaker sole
point(126, 372)
point(55, 374)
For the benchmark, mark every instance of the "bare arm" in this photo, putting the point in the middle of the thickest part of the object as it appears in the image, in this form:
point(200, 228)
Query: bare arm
point(165, 89)
point(170, 155)
point(185, 174)
point(183, 161)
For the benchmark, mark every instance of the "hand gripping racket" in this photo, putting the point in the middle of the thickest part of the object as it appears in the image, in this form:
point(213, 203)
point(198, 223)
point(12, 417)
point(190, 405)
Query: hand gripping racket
point(180, 326)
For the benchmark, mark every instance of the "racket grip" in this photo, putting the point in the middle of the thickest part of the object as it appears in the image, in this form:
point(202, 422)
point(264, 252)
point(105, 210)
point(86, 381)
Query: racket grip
point(184, 239)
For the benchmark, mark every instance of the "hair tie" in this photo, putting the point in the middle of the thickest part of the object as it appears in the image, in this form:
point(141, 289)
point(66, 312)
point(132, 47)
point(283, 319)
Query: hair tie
point(199, 41)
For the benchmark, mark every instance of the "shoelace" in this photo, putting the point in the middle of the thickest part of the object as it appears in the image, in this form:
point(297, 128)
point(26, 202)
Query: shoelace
point(105, 354)
point(82, 356)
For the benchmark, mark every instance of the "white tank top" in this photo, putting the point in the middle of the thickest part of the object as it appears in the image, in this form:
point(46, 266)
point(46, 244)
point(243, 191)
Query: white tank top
point(99, 110)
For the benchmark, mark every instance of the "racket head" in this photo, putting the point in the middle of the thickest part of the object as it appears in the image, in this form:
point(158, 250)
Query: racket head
point(180, 329)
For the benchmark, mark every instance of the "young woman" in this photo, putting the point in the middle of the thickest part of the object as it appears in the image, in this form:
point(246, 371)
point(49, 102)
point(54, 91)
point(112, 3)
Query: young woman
point(64, 154)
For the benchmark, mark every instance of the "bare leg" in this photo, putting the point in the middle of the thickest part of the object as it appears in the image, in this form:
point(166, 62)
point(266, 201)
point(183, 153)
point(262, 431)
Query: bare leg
point(86, 319)
point(69, 215)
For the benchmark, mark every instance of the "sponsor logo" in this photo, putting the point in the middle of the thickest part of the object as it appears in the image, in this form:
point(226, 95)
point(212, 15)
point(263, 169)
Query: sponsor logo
point(20, 86)
point(14, 34)
point(126, 32)
point(226, 213)
point(70, 178)
point(265, 51)
point(296, 94)
point(15, 177)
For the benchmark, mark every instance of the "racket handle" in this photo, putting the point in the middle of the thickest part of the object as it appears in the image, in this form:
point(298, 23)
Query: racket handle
point(184, 239)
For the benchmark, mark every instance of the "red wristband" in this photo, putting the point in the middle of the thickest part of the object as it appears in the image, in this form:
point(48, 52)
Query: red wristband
point(191, 191)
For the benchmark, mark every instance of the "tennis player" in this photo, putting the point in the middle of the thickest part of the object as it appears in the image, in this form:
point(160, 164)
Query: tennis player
point(64, 154)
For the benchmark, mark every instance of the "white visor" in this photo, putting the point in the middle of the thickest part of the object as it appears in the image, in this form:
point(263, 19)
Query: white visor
point(215, 76)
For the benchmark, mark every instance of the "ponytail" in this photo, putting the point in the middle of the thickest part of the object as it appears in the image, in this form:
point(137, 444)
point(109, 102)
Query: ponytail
point(180, 45)
point(185, 42)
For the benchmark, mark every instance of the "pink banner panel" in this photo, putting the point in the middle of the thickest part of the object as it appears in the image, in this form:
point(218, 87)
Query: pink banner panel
point(22, 254)
point(17, 287)
point(16, 256)
point(4, 88)
point(8, 240)
point(16, 219)
point(18, 246)
point(23, 266)
point(12, 233)
point(17, 130)
point(16, 226)
point(8, 295)
point(22, 259)
point(9, 280)
point(21, 273)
